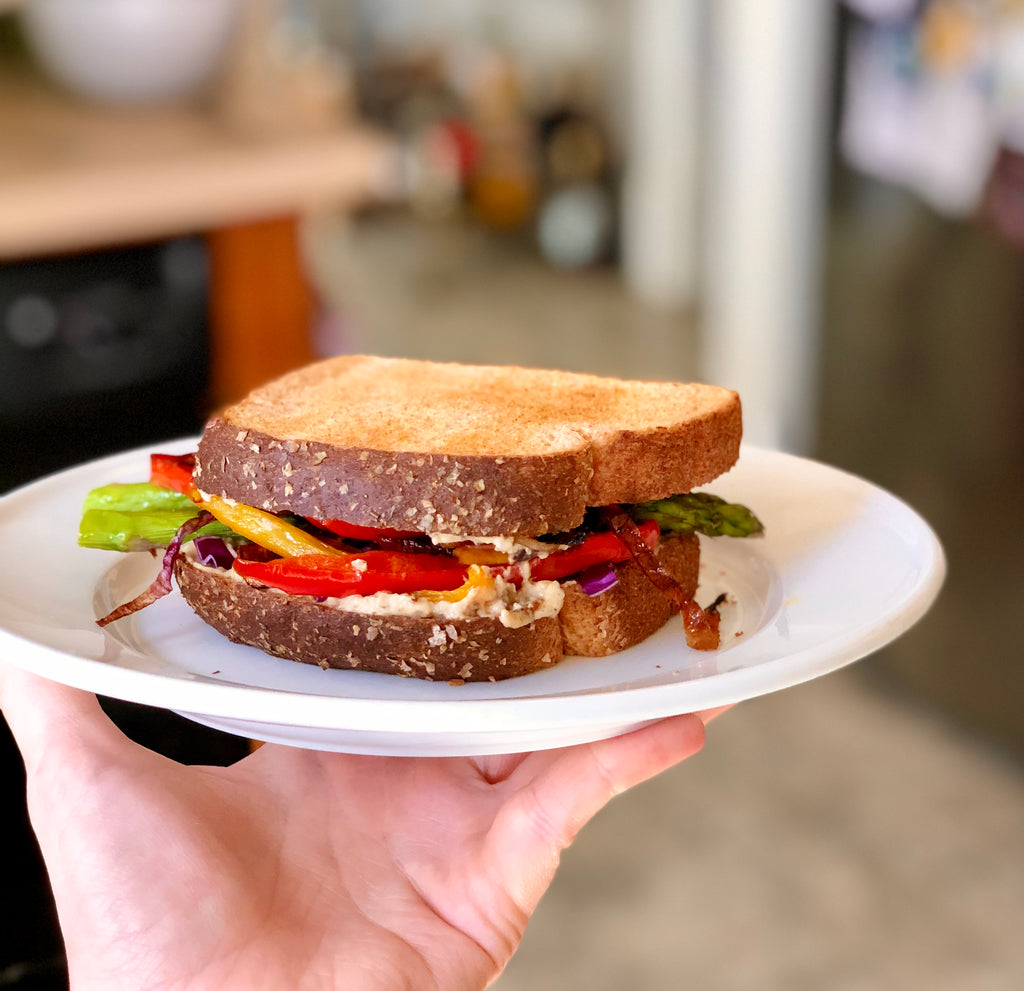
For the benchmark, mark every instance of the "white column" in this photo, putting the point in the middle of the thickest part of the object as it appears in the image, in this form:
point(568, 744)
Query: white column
point(659, 218)
point(765, 211)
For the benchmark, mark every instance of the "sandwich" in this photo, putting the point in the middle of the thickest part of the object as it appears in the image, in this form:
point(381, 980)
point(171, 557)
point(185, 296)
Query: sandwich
point(439, 521)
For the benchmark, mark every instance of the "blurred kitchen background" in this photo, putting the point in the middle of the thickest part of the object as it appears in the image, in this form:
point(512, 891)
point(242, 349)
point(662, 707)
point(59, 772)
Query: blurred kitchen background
point(820, 204)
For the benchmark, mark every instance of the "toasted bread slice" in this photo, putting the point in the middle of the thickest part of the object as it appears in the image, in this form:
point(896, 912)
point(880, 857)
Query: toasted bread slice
point(463, 449)
point(474, 649)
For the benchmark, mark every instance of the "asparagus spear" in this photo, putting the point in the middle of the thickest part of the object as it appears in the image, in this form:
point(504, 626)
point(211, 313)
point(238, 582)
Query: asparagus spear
point(137, 517)
point(701, 512)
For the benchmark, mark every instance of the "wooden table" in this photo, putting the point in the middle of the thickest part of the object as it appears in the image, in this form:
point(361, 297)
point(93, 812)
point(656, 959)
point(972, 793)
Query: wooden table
point(76, 176)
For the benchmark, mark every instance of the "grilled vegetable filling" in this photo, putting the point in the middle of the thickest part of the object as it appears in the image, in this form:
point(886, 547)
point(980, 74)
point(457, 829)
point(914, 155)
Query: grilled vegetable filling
point(334, 559)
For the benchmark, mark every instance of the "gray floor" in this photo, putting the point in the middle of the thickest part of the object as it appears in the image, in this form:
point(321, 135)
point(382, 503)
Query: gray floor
point(826, 839)
point(861, 833)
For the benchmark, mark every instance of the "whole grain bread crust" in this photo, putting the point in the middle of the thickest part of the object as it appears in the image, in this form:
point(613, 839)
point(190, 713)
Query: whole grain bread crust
point(299, 628)
point(474, 450)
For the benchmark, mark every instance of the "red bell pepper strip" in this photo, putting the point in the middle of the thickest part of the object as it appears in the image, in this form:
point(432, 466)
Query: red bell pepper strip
point(479, 577)
point(371, 534)
point(323, 575)
point(336, 575)
point(172, 471)
point(605, 547)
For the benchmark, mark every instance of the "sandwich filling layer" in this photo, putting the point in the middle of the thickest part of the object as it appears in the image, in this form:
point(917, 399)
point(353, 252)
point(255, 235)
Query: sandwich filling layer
point(498, 599)
point(382, 573)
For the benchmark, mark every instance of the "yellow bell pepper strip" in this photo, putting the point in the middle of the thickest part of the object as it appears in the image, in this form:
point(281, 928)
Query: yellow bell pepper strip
point(478, 578)
point(469, 554)
point(264, 528)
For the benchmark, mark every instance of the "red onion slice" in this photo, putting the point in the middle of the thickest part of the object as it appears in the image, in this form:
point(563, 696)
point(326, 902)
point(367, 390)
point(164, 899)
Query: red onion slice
point(162, 583)
point(597, 579)
point(213, 552)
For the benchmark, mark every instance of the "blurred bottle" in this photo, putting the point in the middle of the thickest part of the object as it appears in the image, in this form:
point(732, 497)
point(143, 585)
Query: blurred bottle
point(502, 187)
point(440, 148)
point(576, 212)
point(281, 77)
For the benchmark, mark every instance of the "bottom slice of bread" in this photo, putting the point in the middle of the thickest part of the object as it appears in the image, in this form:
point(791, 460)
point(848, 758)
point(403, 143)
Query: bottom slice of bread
point(474, 649)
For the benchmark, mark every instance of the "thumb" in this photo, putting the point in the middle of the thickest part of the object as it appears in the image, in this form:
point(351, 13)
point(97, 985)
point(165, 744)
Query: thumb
point(46, 717)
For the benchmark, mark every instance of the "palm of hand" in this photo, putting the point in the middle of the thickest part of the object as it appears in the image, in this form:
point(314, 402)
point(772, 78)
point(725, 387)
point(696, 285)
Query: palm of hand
point(302, 869)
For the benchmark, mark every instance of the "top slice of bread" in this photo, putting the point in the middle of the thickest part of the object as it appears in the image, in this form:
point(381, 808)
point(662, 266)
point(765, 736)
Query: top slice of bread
point(475, 450)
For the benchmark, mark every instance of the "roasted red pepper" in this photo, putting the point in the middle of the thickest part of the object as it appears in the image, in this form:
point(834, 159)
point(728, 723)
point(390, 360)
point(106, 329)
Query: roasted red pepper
point(323, 575)
point(605, 547)
point(172, 471)
point(371, 534)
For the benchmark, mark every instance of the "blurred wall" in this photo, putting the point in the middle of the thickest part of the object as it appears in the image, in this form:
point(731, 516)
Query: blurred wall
point(923, 389)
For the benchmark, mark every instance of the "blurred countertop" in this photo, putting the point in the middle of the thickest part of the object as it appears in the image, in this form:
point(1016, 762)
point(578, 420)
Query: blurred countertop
point(76, 175)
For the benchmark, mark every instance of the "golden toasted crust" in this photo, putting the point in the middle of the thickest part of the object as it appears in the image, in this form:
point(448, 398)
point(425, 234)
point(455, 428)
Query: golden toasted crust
point(300, 629)
point(476, 450)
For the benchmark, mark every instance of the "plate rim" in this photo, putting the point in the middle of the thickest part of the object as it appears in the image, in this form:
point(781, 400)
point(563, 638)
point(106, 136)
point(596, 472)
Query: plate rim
point(333, 713)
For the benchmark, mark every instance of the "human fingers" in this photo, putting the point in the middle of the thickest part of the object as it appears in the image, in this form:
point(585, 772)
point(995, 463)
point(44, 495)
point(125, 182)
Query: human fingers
point(498, 767)
point(583, 779)
point(707, 715)
point(46, 717)
point(571, 786)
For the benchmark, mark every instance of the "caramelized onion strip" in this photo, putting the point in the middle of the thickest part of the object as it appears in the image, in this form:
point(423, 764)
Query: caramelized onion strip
point(161, 585)
point(701, 626)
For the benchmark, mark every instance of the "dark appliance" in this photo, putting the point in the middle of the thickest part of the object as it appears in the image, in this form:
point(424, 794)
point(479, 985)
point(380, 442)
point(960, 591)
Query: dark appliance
point(100, 352)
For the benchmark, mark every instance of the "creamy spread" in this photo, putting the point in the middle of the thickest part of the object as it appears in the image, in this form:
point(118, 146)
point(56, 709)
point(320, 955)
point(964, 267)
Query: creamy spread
point(512, 607)
point(207, 496)
point(517, 548)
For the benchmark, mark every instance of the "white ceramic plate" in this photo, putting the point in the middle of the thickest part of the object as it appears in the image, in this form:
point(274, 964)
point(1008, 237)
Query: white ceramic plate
point(843, 569)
